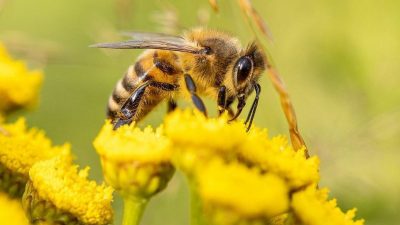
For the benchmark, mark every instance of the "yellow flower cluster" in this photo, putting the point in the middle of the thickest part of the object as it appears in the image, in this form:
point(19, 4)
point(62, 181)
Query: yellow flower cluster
point(22, 147)
point(254, 176)
point(135, 162)
point(239, 177)
point(311, 207)
point(203, 138)
point(60, 183)
point(11, 211)
point(19, 86)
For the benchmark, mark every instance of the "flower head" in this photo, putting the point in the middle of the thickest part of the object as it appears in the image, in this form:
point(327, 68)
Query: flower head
point(194, 129)
point(20, 149)
point(276, 156)
point(234, 189)
point(58, 192)
point(311, 207)
point(135, 162)
point(19, 86)
point(197, 139)
point(11, 211)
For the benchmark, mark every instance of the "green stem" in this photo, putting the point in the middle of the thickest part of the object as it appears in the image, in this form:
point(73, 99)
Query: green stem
point(196, 208)
point(133, 210)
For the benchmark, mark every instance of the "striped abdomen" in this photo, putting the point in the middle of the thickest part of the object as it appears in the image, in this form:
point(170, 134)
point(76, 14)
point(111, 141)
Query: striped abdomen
point(153, 65)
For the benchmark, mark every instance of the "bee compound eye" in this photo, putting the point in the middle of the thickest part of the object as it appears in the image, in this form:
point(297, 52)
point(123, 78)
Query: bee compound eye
point(243, 69)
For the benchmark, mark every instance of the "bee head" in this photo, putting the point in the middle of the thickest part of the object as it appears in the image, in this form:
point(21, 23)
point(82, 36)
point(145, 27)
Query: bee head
point(247, 70)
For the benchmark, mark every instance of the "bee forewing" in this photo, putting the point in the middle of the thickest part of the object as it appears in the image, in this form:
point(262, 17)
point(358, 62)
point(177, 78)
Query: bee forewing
point(153, 41)
point(147, 35)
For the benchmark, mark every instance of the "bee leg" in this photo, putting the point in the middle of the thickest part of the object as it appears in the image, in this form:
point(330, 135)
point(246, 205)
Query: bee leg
point(253, 108)
point(171, 105)
point(191, 86)
point(227, 105)
point(240, 106)
point(221, 100)
point(229, 102)
point(129, 109)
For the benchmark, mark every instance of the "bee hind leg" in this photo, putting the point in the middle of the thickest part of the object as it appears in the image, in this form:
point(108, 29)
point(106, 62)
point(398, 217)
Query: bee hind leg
point(129, 109)
point(191, 86)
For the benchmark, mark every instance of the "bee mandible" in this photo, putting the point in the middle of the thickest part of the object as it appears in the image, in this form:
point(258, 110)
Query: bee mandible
point(202, 62)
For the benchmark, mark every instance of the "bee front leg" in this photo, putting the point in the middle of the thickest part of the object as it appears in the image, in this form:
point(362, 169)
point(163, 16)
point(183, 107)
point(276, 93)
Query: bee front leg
point(129, 109)
point(221, 100)
point(229, 102)
point(191, 86)
point(224, 103)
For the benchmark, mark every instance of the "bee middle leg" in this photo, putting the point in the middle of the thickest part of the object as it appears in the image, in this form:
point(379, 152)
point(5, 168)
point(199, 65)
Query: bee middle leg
point(171, 105)
point(221, 100)
point(191, 86)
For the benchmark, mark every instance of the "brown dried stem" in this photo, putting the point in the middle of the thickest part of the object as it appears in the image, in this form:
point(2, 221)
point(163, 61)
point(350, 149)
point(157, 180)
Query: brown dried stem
point(288, 109)
point(251, 12)
point(214, 5)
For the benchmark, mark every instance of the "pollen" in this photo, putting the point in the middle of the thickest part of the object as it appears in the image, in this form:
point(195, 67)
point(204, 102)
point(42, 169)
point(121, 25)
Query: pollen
point(311, 207)
point(60, 183)
point(19, 86)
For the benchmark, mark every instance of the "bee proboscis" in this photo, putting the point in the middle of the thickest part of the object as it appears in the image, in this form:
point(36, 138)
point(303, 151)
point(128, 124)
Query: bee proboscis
point(201, 62)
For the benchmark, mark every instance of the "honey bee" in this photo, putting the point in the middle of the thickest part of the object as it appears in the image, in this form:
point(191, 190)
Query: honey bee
point(202, 62)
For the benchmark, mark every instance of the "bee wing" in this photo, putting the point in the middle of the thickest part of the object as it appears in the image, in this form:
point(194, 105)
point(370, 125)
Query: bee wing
point(153, 41)
point(146, 35)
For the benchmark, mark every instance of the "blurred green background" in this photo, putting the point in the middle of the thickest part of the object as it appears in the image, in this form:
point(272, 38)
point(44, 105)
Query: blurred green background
point(339, 58)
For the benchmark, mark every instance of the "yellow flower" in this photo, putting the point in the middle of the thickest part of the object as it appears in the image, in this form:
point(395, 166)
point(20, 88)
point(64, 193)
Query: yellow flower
point(311, 207)
point(197, 139)
point(277, 156)
point(20, 149)
point(11, 212)
point(135, 162)
point(248, 193)
point(19, 86)
point(193, 128)
point(58, 192)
